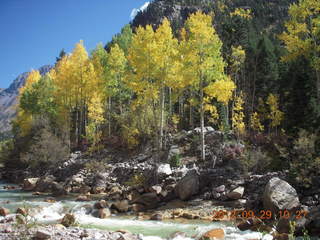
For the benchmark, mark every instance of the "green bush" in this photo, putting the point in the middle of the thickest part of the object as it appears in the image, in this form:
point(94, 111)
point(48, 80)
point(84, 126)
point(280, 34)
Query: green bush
point(175, 160)
point(256, 160)
point(136, 180)
point(305, 162)
point(5, 151)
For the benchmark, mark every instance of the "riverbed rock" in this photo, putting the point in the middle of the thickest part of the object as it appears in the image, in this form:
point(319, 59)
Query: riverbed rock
point(42, 235)
point(29, 184)
point(188, 186)
point(121, 206)
point(250, 224)
point(68, 220)
point(4, 212)
point(156, 217)
point(102, 213)
point(236, 193)
point(148, 200)
point(101, 204)
point(98, 190)
point(280, 195)
point(138, 207)
point(22, 211)
point(214, 234)
point(83, 198)
point(44, 184)
point(58, 190)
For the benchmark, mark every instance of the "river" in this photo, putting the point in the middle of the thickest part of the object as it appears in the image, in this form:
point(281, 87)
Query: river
point(44, 212)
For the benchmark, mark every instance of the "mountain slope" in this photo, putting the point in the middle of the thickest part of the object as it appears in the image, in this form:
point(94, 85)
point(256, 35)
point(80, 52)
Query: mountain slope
point(8, 99)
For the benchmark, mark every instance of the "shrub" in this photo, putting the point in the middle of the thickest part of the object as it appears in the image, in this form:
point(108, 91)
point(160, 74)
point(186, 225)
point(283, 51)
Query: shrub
point(6, 148)
point(305, 161)
point(175, 160)
point(45, 150)
point(136, 180)
point(93, 166)
point(256, 160)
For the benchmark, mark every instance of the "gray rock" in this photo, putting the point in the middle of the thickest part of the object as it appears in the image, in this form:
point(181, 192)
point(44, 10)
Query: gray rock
point(58, 190)
point(280, 195)
point(101, 204)
point(44, 184)
point(29, 184)
point(236, 193)
point(148, 200)
point(188, 186)
point(102, 213)
point(42, 235)
point(121, 206)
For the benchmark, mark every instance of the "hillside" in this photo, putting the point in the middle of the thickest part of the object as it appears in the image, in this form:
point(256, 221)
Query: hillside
point(8, 99)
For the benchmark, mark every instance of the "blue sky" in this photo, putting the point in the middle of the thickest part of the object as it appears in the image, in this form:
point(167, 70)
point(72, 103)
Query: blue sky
point(34, 31)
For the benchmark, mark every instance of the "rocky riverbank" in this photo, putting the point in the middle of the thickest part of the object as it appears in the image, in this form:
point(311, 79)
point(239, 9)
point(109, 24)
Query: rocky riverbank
point(58, 232)
point(180, 186)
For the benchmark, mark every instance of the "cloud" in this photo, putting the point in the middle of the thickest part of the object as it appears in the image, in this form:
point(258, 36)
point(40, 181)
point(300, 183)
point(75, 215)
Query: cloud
point(135, 11)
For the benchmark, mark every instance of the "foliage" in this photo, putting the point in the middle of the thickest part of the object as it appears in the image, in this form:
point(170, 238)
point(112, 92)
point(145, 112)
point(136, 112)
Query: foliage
point(256, 160)
point(302, 35)
point(175, 160)
point(275, 115)
point(6, 148)
point(255, 122)
point(92, 166)
point(243, 13)
point(238, 124)
point(305, 160)
point(45, 151)
point(136, 180)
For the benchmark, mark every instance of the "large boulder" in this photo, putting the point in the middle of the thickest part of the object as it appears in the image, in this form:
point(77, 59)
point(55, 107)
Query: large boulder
point(44, 184)
point(121, 206)
point(99, 180)
point(236, 193)
point(29, 184)
point(148, 200)
point(280, 195)
point(58, 190)
point(102, 213)
point(188, 186)
point(101, 204)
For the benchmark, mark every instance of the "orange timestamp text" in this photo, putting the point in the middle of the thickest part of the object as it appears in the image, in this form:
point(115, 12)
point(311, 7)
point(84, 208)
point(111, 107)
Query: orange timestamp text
point(262, 214)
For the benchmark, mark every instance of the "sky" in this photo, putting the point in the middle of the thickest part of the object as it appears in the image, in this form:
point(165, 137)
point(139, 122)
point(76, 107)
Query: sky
point(33, 32)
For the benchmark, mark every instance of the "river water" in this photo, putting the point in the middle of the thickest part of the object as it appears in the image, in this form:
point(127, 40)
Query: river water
point(43, 212)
